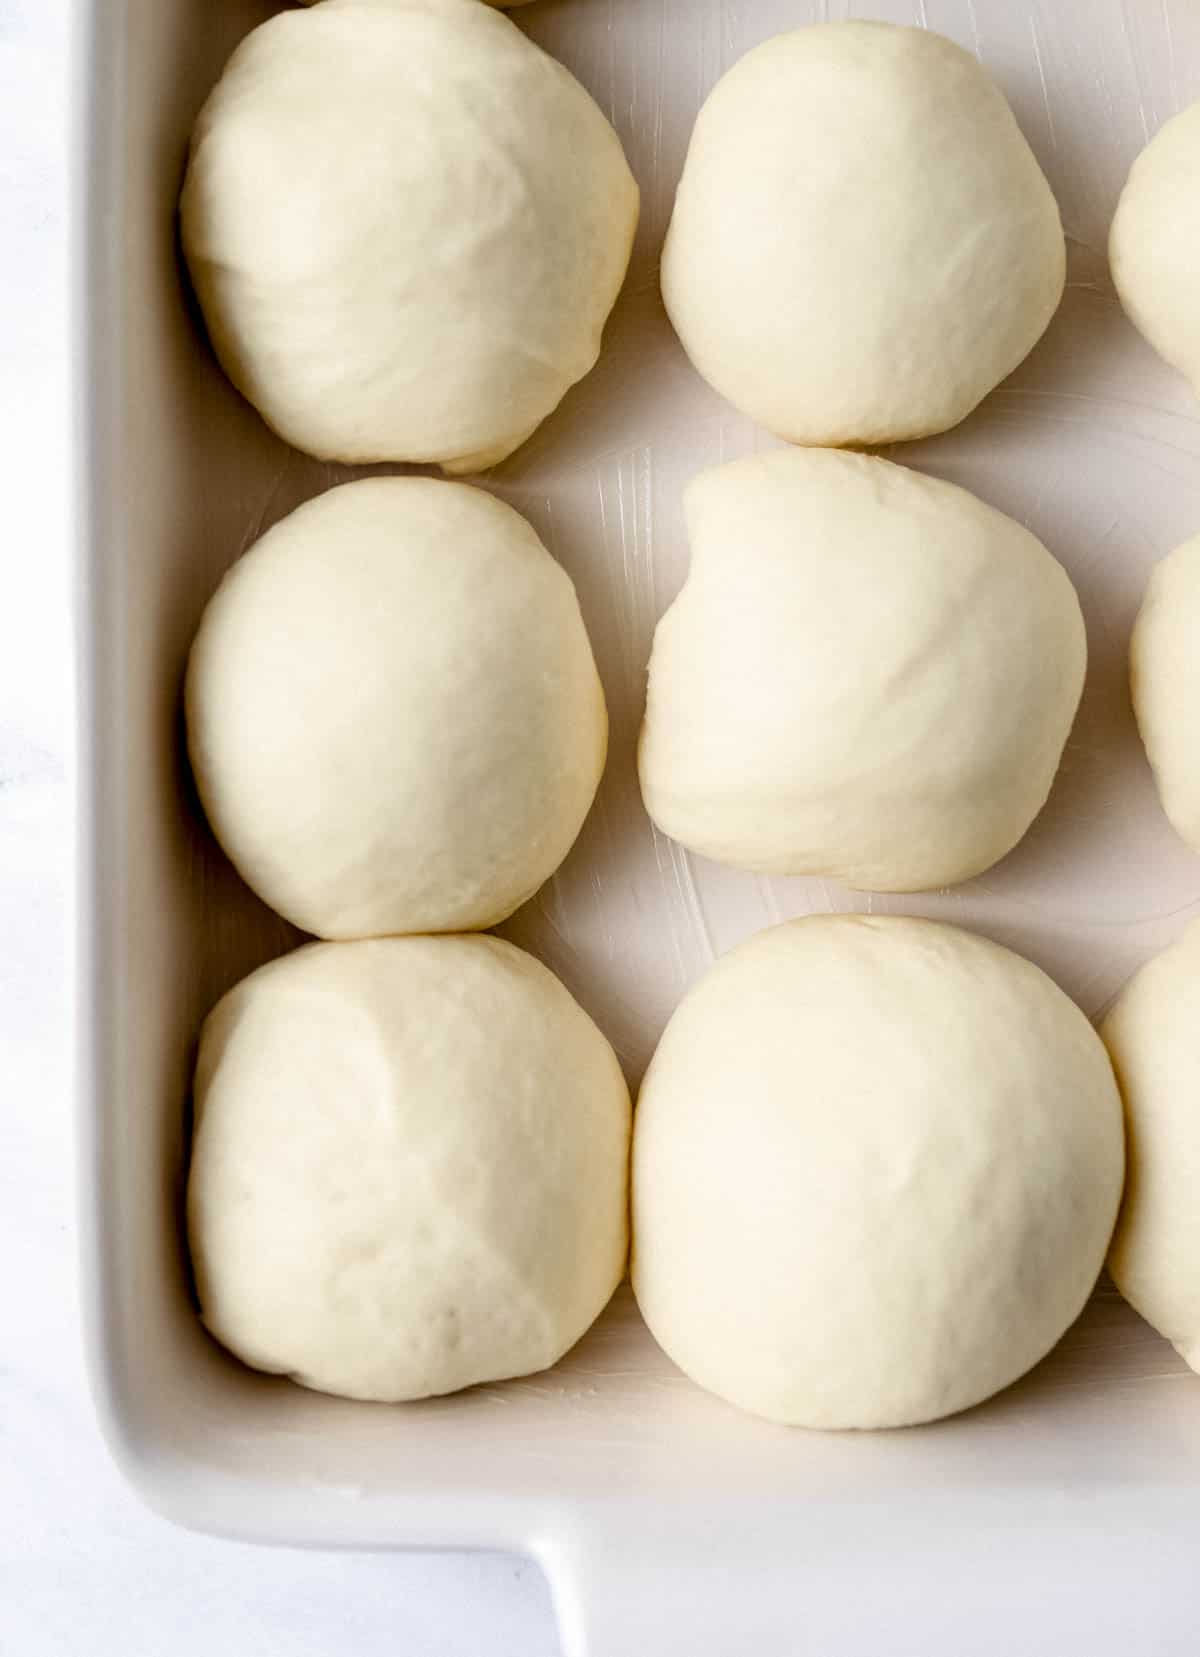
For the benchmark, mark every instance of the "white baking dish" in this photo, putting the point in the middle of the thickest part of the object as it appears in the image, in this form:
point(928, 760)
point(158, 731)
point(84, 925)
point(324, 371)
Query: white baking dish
point(1068, 1510)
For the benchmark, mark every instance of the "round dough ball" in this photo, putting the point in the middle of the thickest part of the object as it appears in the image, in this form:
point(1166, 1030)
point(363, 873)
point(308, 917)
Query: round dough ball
point(876, 1168)
point(409, 1168)
point(406, 226)
point(1154, 243)
point(393, 713)
point(507, 5)
point(1153, 1037)
point(1165, 682)
point(869, 675)
point(863, 244)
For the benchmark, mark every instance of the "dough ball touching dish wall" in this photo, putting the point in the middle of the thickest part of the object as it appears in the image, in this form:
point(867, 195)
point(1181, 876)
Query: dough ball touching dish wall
point(394, 259)
point(393, 713)
point(409, 1172)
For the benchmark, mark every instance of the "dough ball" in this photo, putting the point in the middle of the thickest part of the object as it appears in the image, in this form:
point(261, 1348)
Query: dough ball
point(409, 1167)
point(1154, 243)
point(508, 5)
point(406, 226)
point(393, 713)
point(869, 675)
point(1153, 1037)
point(863, 244)
point(876, 1168)
point(1165, 682)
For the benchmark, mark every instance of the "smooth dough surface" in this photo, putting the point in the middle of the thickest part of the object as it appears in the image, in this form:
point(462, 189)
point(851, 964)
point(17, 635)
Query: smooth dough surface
point(506, 5)
point(406, 225)
point(1165, 684)
point(877, 1163)
point(863, 244)
point(409, 1171)
point(868, 675)
point(1154, 243)
point(393, 713)
point(1153, 1037)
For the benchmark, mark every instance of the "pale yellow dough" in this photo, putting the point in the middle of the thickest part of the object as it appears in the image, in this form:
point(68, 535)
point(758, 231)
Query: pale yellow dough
point(406, 225)
point(1153, 1035)
point(409, 1171)
point(863, 244)
point(869, 675)
point(877, 1164)
point(393, 713)
point(1165, 684)
point(505, 5)
point(1154, 243)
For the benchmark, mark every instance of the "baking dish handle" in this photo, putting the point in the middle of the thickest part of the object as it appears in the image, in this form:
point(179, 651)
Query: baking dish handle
point(1036, 1571)
point(619, 1593)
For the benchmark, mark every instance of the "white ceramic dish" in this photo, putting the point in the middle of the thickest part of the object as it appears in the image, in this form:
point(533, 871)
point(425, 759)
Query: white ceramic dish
point(1068, 1510)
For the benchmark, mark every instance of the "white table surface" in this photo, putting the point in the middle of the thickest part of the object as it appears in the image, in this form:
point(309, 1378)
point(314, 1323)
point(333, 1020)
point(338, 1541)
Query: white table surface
point(83, 1568)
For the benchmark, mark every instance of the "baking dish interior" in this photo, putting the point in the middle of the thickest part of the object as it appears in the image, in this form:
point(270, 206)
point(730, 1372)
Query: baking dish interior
point(1093, 443)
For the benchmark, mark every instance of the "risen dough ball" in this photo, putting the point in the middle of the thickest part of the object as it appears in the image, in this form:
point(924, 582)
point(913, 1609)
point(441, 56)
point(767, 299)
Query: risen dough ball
point(409, 1167)
point(876, 1168)
point(1165, 681)
point(507, 5)
point(869, 675)
point(393, 713)
point(1154, 243)
point(1153, 1036)
point(407, 226)
point(863, 244)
